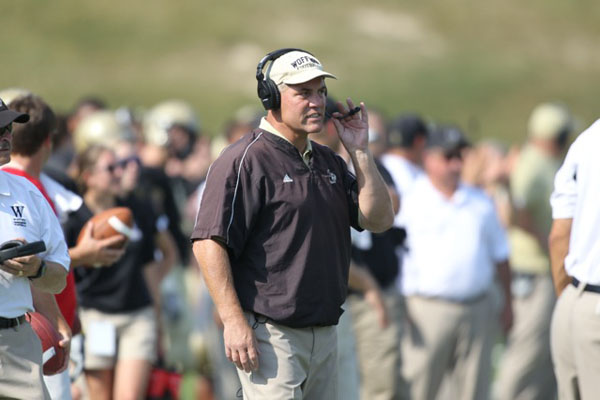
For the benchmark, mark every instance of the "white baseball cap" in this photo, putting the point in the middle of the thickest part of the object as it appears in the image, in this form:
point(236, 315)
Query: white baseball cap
point(296, 67)
point(548, 120)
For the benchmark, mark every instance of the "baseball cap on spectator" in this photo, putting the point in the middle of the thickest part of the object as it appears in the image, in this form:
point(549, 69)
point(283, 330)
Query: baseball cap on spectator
point(550, 121)
point(12, 93)
point(8, 116)
point(167, 114)
point(404, 129)
point(100, 128)
point(447, 138)
point(296, 67)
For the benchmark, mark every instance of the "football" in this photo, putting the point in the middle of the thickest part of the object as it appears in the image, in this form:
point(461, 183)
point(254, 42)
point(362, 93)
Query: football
point(53, 355)
point(111, 222)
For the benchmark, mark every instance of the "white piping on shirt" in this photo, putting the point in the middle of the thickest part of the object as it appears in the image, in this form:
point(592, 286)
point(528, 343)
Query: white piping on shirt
point(237, 182)
point(202, 186)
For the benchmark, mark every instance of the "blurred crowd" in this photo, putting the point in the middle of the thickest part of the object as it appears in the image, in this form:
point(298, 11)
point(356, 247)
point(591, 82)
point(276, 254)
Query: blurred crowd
point(155, 162)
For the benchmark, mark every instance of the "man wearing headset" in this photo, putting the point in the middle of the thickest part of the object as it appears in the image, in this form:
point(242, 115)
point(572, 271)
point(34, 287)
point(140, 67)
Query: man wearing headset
point(272, 234)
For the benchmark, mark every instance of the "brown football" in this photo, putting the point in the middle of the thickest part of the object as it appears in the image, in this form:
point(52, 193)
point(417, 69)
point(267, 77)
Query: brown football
point(53, 355)
point(111, 222)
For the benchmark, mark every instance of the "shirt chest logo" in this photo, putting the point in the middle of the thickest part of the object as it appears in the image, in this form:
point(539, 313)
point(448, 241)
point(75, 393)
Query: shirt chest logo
point(332, 177)
point(18, 219)
point(287, 179)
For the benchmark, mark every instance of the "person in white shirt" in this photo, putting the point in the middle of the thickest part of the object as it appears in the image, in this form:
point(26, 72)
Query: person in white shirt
point(525, 371)
point(406, 137)
point(575, 262)
point(404, 159)
point(30, 149)
point(26, 282)
point(455, 246)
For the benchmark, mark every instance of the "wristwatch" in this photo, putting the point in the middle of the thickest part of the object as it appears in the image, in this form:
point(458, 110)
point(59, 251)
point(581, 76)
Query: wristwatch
point(40, 272)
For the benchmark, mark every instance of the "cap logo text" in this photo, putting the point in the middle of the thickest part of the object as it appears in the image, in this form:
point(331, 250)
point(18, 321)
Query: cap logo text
point(305, 62)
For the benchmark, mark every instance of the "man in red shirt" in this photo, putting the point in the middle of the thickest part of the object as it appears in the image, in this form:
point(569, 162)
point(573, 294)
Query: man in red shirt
point(31, 147)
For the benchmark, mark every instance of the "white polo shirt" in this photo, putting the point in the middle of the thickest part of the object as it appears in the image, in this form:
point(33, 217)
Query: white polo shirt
point(576, 195)
point(453, 244)
point(404, 173)
point(25, 213)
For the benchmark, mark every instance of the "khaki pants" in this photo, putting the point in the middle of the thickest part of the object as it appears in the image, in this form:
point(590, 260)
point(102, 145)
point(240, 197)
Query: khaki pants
point(378, 349)
point(525, 371)
point(294, 363)
point(447, 337)
point(21, 364)
point(59, 385)
point(575, 341)
point(347, 364)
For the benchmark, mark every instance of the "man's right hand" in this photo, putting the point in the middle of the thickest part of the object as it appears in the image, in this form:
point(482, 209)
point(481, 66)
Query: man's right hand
point(241, 347)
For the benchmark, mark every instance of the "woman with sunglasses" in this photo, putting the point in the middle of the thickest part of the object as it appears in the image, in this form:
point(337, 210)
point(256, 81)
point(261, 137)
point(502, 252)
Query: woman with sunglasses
point(117, 313)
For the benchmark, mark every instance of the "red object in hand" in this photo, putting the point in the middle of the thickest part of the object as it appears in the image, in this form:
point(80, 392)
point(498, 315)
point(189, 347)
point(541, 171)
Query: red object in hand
point(53, 355)
point(111, 222)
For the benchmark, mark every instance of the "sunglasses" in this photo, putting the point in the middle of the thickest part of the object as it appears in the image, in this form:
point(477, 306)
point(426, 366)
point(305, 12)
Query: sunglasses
point(122, 163)
point(6, 129)
point(453, 154)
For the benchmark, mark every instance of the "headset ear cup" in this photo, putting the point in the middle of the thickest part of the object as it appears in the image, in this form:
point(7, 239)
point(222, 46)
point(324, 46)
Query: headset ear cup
point(263, 94)
point(269, 94)
point(267, 90)
point(274, 94)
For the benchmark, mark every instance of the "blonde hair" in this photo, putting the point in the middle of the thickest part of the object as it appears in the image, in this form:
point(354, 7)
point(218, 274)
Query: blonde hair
point(84, 163)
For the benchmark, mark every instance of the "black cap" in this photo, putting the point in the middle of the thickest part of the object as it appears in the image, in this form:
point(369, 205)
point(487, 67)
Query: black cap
point(8, 116)
point(447, 138)
point(404, 129)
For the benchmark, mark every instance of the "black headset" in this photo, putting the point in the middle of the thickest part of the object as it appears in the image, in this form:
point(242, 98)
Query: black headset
point(268, 93)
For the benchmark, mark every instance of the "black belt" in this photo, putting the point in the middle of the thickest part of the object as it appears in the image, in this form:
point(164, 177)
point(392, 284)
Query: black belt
point(6, 323)
point(587, 288)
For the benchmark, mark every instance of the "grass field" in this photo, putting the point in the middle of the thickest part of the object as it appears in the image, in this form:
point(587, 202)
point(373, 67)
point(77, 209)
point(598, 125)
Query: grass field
point(483, 65)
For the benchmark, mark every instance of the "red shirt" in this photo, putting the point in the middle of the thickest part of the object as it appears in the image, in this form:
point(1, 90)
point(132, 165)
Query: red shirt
point(67, 300)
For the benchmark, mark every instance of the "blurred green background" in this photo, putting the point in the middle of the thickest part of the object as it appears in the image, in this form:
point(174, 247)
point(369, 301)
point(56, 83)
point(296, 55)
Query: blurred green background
point(481, 64)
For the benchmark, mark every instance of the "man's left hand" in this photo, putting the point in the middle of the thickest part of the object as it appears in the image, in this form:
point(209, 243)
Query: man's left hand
point(375, 299)
point(353, 130)
point(22, 266)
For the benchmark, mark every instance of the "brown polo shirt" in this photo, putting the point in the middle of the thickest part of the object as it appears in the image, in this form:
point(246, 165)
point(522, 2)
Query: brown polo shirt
point(286, 226)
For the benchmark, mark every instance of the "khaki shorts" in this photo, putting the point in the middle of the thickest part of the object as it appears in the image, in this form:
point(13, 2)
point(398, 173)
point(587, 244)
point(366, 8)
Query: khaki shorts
point(134, 333)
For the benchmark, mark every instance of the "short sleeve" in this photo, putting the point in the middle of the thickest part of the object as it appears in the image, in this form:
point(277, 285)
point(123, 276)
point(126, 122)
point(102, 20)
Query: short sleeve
point(52, 235)
point(148, 224)
point(497, 240)
point(523, 187)
point(229, 204)
point(564, 197)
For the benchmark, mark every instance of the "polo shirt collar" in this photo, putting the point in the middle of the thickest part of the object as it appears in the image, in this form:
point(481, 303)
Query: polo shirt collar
point(4, 189)
point(266, 126)
point(460, 195)
point(458, 198)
